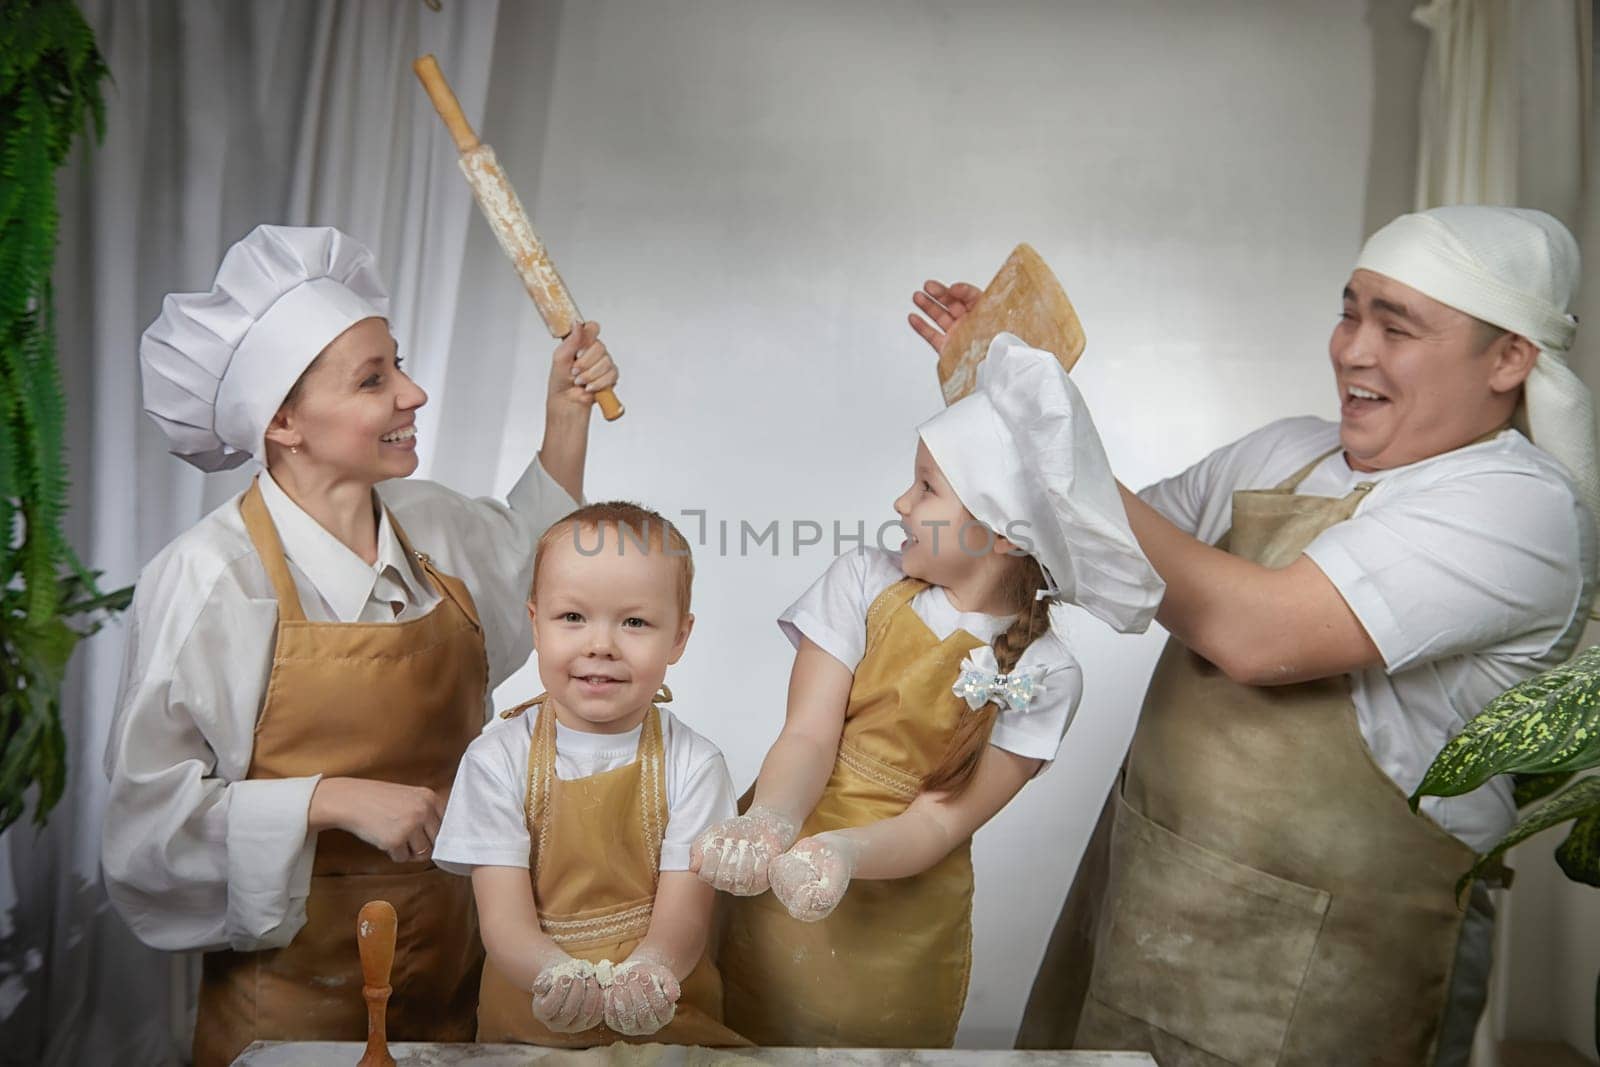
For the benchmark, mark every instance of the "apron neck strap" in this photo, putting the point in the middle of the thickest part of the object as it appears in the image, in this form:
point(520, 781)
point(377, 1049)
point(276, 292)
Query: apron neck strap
point(888, 602)
point(269, 549)
point(1291, 483)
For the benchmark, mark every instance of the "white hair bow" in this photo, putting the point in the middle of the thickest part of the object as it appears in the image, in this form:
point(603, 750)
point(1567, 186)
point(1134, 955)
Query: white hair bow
point(981, 681)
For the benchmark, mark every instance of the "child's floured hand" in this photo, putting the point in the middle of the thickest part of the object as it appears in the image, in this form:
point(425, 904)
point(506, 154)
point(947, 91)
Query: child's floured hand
point(642, 997)
point(733, 855)
point(810, 878)
point(568, 997)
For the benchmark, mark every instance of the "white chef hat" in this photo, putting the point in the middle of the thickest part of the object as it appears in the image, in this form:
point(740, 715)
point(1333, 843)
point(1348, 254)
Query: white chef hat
point(1517, 269)
point(217, 365)
point(1023, 455)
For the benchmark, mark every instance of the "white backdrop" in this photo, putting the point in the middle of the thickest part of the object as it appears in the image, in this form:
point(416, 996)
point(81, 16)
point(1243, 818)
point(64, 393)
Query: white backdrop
point(744, 193)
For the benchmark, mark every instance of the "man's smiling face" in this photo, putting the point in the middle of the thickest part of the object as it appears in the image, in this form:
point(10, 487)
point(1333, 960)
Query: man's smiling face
point(1416, 377)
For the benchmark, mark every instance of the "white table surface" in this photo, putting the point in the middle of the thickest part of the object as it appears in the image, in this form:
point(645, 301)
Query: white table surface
point(418, 1054)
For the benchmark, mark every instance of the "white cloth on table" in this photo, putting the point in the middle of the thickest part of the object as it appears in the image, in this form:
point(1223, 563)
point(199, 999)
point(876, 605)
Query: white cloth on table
point(1469, 571)
point(195, 856)
point(833, 615)
point(485, 823)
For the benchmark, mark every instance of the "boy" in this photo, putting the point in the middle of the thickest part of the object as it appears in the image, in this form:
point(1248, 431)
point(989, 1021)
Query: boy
point(575, 821)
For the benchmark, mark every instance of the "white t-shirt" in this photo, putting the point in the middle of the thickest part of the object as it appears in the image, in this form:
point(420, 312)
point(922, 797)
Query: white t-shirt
point(1469, 571)
point(833, 614)
point(196, 855)
point(485, 825)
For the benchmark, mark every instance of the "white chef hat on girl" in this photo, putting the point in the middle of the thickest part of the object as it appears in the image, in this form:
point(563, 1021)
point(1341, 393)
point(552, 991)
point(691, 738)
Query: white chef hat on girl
point(1517, 269)
point(1023, 455)
point(217, 365)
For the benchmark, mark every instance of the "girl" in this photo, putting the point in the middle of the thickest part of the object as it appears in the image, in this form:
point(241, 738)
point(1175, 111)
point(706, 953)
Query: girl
point(928, 687)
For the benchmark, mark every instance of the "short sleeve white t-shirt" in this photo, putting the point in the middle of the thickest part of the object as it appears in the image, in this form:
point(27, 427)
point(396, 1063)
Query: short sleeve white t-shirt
point(1469, 571)
point(484, 823)
point(833, 615)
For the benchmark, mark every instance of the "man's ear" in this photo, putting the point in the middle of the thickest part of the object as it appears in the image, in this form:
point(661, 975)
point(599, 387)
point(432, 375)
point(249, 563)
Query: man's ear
point(1514, 356)
point(684, 629)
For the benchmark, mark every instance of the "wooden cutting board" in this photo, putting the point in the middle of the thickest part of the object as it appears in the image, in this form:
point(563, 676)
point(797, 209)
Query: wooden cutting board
point(1024, 299)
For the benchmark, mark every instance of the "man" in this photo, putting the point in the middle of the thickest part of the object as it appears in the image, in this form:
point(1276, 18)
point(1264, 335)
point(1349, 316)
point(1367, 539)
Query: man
point(1342, 598)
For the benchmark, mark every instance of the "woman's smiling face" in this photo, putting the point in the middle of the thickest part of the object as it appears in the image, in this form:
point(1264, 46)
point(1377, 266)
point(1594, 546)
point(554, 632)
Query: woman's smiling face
point(353, 412)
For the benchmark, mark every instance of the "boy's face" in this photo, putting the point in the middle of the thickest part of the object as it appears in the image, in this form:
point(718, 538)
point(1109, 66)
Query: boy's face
point(606, 625)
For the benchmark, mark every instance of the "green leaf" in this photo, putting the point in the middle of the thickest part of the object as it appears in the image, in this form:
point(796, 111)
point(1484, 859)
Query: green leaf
point(1578, 801)
point(1547, 724)
point(1530, 787)
point(50, 92)
point(1579, 854)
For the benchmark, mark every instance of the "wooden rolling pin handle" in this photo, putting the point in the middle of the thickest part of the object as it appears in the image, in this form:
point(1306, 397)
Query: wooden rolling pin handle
point(610, 406)
point(375, 935)
point(445, 103)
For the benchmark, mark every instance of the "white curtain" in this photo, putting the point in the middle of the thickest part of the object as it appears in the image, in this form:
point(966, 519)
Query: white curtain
point(220, 116)
point(1506, 117)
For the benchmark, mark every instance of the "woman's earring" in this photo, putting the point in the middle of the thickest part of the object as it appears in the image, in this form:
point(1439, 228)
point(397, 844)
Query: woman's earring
point(295, 449)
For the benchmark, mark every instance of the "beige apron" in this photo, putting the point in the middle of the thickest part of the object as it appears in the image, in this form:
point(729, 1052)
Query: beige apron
point(397, 702)
point(889, 967)
point(1268, 895)
point(596, 857)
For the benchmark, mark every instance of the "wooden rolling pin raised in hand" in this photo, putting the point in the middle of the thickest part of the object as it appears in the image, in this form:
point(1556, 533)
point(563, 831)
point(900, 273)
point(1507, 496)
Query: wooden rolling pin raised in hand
point(501, 206)
point(375, 931)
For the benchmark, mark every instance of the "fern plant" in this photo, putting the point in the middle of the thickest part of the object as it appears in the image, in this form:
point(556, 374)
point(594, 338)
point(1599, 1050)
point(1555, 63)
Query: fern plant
point(1546, 731)
point(50, 75)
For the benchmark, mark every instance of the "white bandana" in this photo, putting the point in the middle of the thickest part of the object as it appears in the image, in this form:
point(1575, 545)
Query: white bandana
point(1519, 270)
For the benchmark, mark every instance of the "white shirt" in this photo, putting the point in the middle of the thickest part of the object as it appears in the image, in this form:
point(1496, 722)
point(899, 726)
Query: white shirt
point(1468, 571)
point(485, 825)
point(195, 856)
point(833, 614)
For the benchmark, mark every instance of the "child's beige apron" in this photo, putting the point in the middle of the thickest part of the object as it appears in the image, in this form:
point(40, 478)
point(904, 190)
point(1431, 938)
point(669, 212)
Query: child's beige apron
point(1268, 896)
point(398, 702)
point(889, 967)
point(596, 856)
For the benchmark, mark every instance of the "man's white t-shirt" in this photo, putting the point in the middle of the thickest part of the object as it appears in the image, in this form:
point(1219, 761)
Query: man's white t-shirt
point(484, 822)
point(1469, 571)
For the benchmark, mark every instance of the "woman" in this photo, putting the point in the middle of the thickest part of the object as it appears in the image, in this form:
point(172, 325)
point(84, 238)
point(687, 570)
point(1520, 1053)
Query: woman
point(306, 665)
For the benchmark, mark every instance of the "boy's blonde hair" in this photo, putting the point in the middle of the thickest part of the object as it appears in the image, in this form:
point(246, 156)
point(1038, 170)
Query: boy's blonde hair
point(650, 530)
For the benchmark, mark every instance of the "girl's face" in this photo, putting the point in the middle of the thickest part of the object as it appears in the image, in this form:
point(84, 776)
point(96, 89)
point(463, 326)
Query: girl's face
point(354, 410)
point(944, 544)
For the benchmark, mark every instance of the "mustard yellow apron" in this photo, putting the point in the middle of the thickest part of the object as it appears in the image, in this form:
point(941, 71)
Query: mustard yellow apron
point(398, 702)
point(596, 858)
point(889, 967)
point(1260, 892)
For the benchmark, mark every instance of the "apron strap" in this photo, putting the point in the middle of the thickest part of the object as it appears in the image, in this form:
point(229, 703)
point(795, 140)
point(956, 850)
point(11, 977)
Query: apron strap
point(887, 603)
point(1291, 483)
point(269, 549)
point(652, 790)
point(443, 584)
point(541, 776)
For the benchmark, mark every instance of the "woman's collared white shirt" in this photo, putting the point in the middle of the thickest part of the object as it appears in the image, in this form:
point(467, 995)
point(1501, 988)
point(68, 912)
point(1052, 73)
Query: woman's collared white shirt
point(196, 856)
